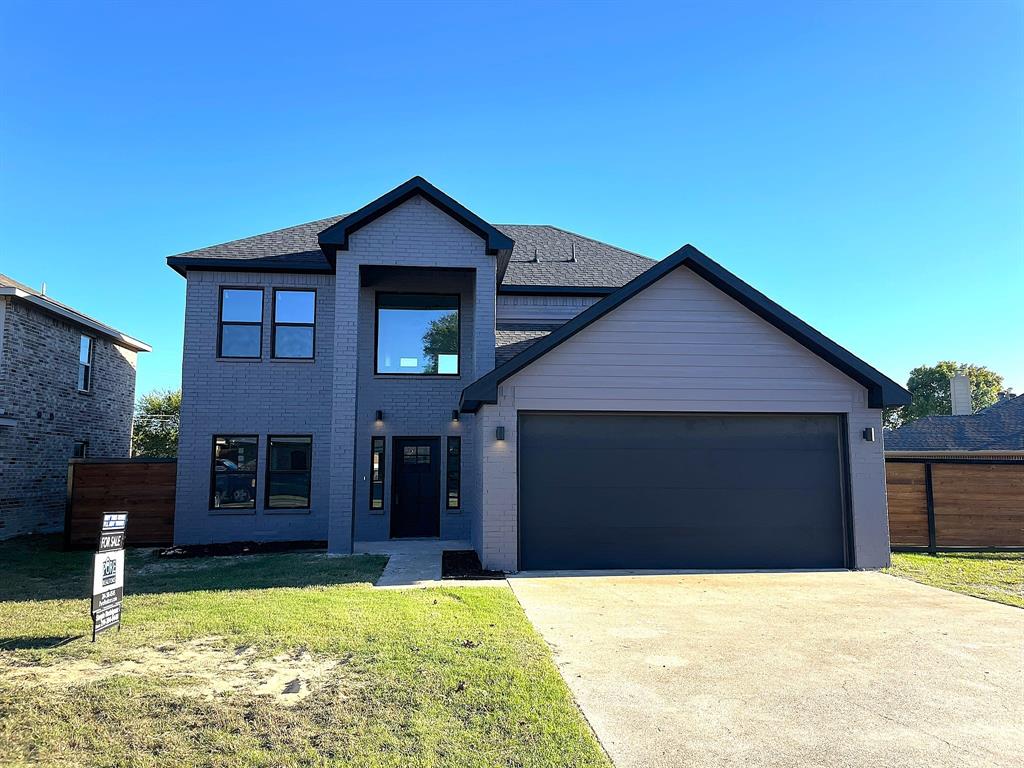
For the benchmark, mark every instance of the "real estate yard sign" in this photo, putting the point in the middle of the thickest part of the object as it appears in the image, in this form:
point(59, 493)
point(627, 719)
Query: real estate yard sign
point(108, 574)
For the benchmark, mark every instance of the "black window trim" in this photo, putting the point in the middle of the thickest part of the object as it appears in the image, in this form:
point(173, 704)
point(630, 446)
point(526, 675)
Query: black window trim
point(376, 333)
point(309, 472)
point(456, 440)
point(274, 324)
point(221, 322)
point(85, 449)
point(88, 365)
point(383, 470)
point(213, 475)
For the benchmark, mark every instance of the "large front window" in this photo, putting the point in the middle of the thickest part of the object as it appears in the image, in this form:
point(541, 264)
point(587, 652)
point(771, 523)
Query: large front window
point(417, 334)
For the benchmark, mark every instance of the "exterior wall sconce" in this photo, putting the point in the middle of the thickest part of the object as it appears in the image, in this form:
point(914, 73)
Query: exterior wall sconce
point(380, 416)
point(869, 434)
point(499, 433)
point(455, 414)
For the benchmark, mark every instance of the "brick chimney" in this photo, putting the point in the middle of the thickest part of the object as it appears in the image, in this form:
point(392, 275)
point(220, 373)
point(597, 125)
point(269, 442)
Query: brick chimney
point(960, 395)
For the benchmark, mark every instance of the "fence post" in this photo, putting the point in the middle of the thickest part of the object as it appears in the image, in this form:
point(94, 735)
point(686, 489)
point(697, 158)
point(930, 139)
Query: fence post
point(67, 505)
point(930, 502)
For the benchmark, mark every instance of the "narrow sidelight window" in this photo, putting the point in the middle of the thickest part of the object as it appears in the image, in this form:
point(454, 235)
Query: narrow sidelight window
point(233, 472)
point(85, 364)
point(80, 449)
point(377, 473)
point(241, 322)
point(289, 472)
point(417, 334)
point(454, 488)
point(293, 324)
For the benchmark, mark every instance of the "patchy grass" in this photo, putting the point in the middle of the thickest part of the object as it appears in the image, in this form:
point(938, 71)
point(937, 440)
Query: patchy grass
point(435, 677)
point(993, 576)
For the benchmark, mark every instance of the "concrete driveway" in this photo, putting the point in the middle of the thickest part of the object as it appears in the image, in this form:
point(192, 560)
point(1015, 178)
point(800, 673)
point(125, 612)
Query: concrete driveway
point(785, 669)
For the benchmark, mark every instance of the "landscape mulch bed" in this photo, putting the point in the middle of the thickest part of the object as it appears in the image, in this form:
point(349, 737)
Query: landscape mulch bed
point(465, 564)
point(239, 548)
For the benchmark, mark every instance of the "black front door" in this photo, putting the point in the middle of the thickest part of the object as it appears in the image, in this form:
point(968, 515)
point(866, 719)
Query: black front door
point(415, 492)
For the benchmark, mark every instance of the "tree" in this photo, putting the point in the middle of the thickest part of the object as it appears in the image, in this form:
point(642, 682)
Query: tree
point(440, 338)
point(155, 428)
point(929, 388)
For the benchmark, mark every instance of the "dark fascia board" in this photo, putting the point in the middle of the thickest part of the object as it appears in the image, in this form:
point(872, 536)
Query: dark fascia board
point(335, 237)
point(882, 391)
point(181, 265)
point(556, 290)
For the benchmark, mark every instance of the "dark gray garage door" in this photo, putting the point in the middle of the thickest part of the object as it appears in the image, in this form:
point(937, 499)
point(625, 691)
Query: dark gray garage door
point(680, 491)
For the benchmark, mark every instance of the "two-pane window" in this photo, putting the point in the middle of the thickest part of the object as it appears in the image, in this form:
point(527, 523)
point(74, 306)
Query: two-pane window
point(233, 474)
point(85, 364)
point(377, 473)
point(417, 334)
point(241, 322)
point(294, 323)
point(289, 472)
point(453, 496)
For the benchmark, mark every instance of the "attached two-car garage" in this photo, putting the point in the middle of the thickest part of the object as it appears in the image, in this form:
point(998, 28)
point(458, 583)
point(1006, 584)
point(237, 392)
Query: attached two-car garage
point(614, 490)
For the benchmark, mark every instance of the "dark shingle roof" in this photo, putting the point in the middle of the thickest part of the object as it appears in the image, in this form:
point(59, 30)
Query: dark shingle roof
point(509, 342)
point(1000, 427)
point(542, 255)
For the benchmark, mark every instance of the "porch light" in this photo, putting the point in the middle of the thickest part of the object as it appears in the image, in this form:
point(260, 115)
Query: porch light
point(455, 414)
point(869, 434)
point(380, 416)
point(499, 433)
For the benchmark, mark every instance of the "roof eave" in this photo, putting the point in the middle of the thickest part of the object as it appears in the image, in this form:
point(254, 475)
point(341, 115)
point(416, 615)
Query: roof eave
point(181, 265)
point(881, 391)
point(65, 313)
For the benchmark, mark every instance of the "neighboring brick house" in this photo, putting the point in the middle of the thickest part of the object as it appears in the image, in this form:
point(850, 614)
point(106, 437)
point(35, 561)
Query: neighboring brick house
point(411, 370)
point(67, 389)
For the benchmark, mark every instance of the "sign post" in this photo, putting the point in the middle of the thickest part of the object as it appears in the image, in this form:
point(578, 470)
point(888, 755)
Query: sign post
point(108, 574)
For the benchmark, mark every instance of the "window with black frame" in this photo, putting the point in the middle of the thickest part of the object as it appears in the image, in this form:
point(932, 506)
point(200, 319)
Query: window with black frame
point(241, 323)
point(289, 472)
point(417, 334)
point(454, 485)
point(233, 474)
point(294, 324)
point(377, 473)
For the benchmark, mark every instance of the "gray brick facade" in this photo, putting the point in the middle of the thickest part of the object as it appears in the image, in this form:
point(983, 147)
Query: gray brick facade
point(679, 346)
point(335, 397)
point(42, 413)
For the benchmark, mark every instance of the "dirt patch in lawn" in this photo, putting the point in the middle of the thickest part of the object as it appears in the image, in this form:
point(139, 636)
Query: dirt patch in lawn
point(201, 667)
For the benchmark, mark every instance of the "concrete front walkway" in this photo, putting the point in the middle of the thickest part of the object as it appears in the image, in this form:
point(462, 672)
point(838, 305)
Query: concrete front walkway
point(785, 669)
point(417, 563)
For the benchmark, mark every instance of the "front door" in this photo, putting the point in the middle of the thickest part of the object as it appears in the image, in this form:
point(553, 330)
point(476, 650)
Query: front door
point(415, 492)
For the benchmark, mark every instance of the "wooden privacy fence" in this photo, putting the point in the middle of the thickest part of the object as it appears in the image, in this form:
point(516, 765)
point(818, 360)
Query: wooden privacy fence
point(943, 504)
point(144, 488)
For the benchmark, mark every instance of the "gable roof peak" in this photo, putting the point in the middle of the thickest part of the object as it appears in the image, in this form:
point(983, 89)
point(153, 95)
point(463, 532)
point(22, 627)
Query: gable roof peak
point(335, 237)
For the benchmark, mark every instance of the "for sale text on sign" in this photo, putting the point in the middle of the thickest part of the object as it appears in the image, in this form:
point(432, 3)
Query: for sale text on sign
point(108, 574)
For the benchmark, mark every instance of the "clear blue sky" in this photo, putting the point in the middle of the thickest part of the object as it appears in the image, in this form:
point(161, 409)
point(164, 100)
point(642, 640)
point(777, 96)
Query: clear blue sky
point(860, 163)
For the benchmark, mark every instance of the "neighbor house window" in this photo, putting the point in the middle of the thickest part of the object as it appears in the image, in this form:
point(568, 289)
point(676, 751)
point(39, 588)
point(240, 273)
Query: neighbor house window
point(454, 487)
point(241, 322)
point(233, 474)
point(293, 324)
point(417, 334)
point(288, 472)
point(80, 449)
point(377, 473)
point(84, 364)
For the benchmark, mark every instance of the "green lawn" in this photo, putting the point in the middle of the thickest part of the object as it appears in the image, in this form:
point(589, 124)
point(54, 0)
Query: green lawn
point(199, 673)
point(993, 576)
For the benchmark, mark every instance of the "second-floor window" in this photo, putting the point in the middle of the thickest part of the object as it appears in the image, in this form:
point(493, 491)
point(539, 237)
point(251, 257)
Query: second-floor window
point(293, 324)
point(241, 322)
point(417, 334)
point(84, 364)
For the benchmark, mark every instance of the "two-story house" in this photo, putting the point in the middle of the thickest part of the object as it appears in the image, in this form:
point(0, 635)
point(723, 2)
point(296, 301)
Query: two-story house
point(67, 390)
point(411, 370)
